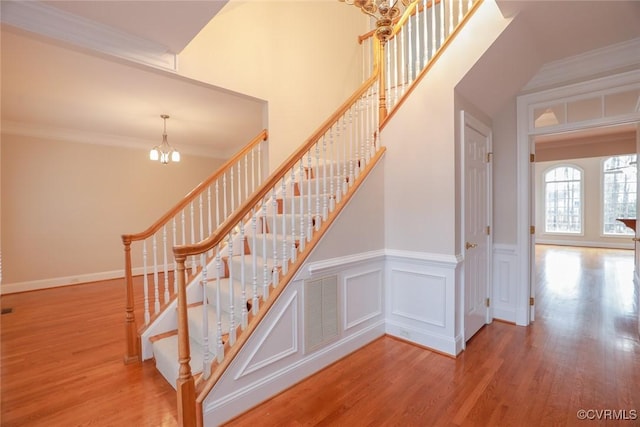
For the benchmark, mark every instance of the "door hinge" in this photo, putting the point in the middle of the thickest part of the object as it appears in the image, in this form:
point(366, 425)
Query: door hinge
point(488, 230)
point(532, 229)
point(532, 301)
point(487, 302)
point(532, 158)
point(489, 155)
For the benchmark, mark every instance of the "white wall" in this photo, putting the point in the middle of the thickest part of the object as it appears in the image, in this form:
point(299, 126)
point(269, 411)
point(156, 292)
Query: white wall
point(420, 186)
point(301, 56)
point(592, 207)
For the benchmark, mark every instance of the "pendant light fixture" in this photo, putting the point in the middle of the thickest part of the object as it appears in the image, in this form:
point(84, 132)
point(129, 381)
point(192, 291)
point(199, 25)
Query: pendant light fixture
point(164, 152)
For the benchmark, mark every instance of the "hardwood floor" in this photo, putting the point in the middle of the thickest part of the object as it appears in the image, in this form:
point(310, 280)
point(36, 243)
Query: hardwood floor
point(582, 352)
point(62, 363)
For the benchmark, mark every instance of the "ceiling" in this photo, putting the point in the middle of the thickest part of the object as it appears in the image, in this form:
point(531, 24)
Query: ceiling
point(104, 71)
point(77, 91)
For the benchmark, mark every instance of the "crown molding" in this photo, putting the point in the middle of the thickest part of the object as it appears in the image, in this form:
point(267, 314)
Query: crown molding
point(598, 61)
point(52, 22)
point(84, 137)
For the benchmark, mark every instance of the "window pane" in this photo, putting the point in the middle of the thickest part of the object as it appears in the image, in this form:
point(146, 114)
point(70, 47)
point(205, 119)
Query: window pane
point(619, 193)
point(563, 204)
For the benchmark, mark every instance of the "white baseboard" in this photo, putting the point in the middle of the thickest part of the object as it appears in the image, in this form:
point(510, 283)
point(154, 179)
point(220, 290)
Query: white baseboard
point(56, 282)
point(35, 285)
point(423, 338)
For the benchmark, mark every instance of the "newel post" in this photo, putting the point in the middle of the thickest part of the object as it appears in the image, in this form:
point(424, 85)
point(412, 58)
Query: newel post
point(382, 105)
point(185, 384)
point(133, 344)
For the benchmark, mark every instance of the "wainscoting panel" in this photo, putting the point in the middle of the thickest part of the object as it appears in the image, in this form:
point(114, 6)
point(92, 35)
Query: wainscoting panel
point(503, 302)
point(274, 358)
point(362, 296)
point(422, 291)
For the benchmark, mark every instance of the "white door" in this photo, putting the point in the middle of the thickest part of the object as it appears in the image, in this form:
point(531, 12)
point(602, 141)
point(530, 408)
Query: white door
point(477, 223)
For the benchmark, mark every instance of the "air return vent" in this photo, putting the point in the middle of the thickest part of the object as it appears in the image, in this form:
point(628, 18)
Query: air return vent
point(320, 312)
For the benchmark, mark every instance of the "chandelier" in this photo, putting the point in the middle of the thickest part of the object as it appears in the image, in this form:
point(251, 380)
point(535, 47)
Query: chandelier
point(384, 12)
point(164, 152)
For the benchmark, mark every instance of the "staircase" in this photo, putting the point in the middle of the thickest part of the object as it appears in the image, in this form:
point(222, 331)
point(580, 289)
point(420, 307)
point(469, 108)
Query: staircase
point(246, 269)
point(227, 279)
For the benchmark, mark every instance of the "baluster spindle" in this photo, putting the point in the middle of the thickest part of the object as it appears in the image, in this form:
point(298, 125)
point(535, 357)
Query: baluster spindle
point(303, 239)
point(175, 265)
point(201, 217)
point(396, 70)
point(225, 212)
point(410, 52)
point(293, 214)
point(243, 309)
point(433, 28)
point(165, 265)
point(317, 181)
point(442, 23)
point(193, 235)
point(310, 216)
point(283, 189)
point(265, 257)
point(345, 143)
point(418, 39)
point(274, 234)
point(232, 312)
point(253, 170)
point(352, 131)
point(325, 195)
point(450, 28)
point(402, 60)
point(156, 292)
point(425, 34)
point(209, 212)
point(246, 176)
point(332, 178)
point(254, 261)
point(145, 275)
point(219, 343)
point(206, 359)
point(217, 204)
point(232, 190)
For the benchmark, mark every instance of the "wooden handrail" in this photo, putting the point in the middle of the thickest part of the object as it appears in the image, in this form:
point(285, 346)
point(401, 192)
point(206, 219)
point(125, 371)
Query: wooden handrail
point(182, 251)
point(132, 353)
point(262, 136)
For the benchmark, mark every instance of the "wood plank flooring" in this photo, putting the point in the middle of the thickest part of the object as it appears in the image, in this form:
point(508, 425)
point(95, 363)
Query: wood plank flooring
point(582, 352)
point(62, 364)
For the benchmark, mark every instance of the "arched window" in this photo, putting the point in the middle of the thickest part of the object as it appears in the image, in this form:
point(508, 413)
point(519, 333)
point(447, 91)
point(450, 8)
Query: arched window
point(563, 200)
point(618, 193)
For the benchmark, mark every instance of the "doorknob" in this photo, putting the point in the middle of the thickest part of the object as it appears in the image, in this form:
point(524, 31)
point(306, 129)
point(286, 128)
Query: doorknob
point(470, 245)
point(636, 239)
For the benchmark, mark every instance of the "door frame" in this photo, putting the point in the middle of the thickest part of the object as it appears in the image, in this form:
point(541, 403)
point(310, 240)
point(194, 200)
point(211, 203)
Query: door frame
point(525, 131)
point(466, 119)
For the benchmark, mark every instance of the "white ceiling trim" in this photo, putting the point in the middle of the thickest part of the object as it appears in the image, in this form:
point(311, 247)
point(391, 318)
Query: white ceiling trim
point(85, 137)
point(52, 22)
point(617, 56)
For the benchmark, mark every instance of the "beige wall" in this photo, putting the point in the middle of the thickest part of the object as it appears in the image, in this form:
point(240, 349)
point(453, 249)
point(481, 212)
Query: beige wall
point(66, 204)
point(300, 56)
point(592, 206)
